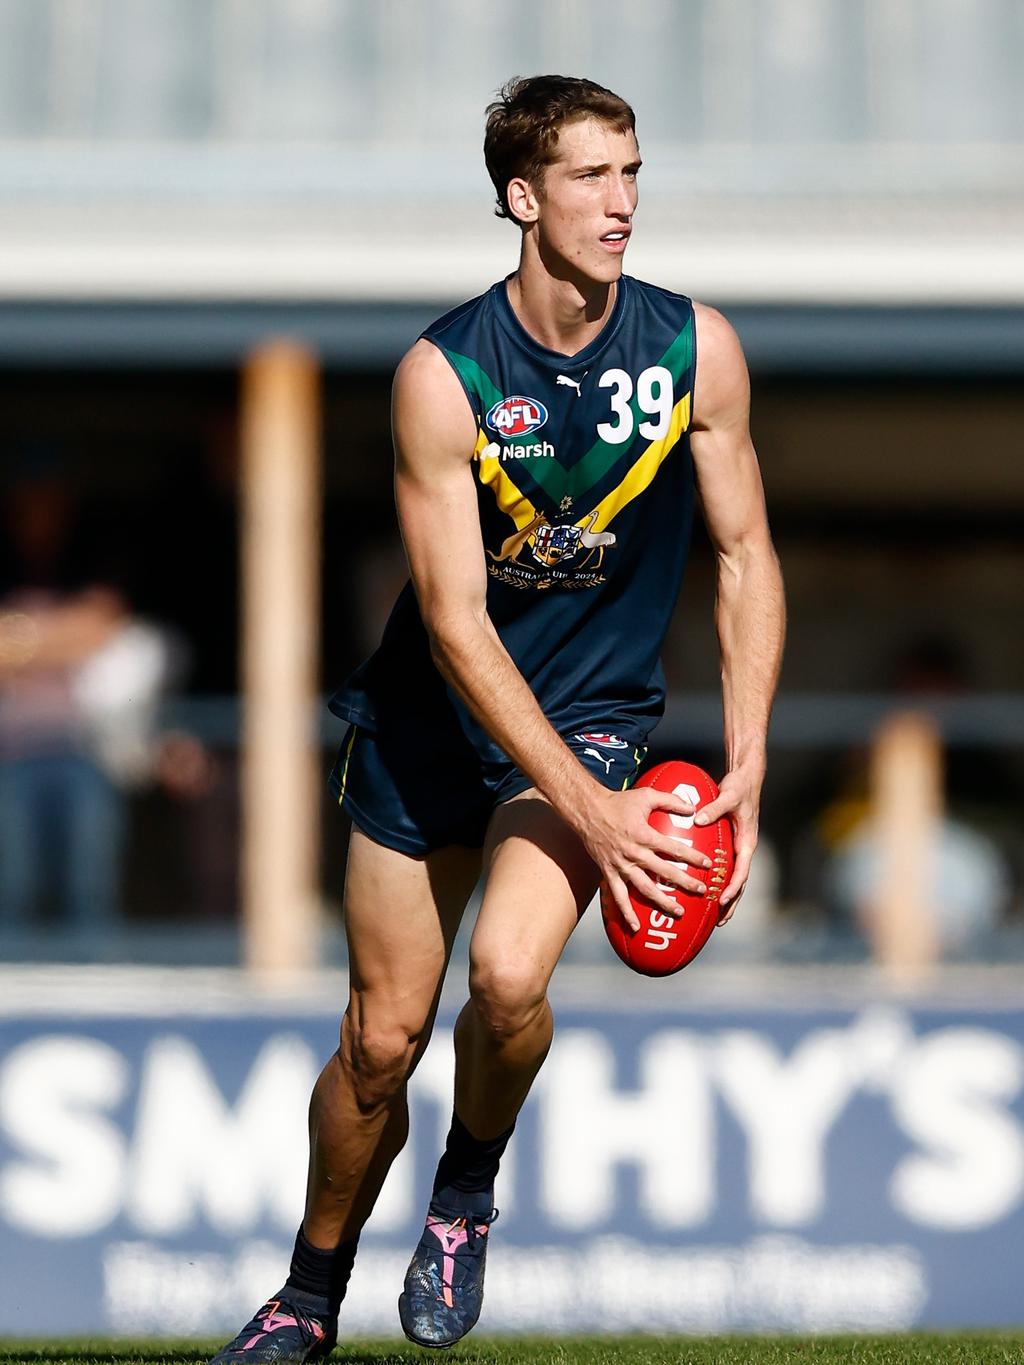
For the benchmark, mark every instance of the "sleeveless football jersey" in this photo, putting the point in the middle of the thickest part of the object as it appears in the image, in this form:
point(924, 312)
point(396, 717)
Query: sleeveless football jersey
point(585, 489)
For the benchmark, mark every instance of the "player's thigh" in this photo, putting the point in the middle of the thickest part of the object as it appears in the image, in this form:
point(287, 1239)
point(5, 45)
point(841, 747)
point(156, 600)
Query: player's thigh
point(539, 880)
point(401, 917)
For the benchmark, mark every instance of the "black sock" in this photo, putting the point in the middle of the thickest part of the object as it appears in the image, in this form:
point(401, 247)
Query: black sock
point(466, 1171)
point(323, 1273)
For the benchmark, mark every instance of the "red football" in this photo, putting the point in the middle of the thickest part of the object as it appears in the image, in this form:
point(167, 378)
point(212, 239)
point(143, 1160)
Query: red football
point(663, 945)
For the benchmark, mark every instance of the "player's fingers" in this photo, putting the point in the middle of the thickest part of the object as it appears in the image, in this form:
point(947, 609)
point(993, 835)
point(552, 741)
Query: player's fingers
point(658, 800)
point(677, 849)
point(726, 912)
point(723, 803)
point(620, 895)
point(673, 872)
point(741, 871)
point(659, 896)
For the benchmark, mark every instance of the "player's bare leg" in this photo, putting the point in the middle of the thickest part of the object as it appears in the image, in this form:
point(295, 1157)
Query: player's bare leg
point(539, 881)
point(401, 918)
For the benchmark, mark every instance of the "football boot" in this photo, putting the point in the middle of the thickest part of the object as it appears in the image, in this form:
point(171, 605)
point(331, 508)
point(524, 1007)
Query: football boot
point(289, 1329)
point(444, 1285)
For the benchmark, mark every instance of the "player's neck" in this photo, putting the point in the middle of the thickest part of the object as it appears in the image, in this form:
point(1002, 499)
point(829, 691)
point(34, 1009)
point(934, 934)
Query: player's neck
point(562, 314)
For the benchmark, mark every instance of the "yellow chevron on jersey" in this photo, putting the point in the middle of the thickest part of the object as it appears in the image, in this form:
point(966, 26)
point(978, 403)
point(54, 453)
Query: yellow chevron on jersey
point(510, 500)
point(642, 473)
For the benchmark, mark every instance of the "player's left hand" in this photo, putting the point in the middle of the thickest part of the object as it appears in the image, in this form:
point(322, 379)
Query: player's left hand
point(739, 797)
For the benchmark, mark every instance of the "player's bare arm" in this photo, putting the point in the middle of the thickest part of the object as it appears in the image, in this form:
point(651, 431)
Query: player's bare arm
point(435, 437)
point(749, 606)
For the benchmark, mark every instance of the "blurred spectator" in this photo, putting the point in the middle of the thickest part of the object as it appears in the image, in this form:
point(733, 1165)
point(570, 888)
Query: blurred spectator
point(971, 882)
point(970, 886)
point(79, 683)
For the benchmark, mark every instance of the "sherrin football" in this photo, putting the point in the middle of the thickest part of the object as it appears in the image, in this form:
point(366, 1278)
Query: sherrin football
point(662, 945)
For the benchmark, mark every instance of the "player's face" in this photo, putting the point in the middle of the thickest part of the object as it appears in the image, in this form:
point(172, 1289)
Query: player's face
point(587, 199)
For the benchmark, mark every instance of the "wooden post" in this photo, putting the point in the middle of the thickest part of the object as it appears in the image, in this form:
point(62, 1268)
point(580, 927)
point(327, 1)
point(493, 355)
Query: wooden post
point(906, 799)
point(280, 578)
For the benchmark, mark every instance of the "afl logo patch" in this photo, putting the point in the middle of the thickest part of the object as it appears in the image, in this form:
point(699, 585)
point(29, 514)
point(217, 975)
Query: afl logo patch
point(604, 741)
point(517, 416)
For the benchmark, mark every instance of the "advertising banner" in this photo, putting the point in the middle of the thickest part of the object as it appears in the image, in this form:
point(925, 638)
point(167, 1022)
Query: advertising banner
point(674, 1171)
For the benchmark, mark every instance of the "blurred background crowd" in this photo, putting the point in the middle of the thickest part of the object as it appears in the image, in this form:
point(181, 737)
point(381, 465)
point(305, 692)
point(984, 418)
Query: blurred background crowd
point(181, 181)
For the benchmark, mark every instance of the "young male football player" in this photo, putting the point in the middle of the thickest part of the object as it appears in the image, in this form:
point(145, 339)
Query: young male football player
point(551, 439)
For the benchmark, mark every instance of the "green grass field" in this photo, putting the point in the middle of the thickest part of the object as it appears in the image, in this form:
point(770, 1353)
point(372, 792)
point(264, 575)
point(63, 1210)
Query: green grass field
point(895, 1350)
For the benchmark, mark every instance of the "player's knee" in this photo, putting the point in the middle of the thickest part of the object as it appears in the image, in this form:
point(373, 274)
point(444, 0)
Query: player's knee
point(508, 996)
point(380, 1057)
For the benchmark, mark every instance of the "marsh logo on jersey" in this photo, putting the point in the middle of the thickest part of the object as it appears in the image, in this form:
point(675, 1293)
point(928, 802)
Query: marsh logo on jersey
point(517, 416)
point(539, 450)
point(605, 741)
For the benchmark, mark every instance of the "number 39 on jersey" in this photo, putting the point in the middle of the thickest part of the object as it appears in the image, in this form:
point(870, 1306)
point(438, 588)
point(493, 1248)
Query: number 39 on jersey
point(652, 398)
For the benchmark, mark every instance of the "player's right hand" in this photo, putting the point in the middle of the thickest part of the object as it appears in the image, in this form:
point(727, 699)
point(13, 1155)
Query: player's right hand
point(629, 853)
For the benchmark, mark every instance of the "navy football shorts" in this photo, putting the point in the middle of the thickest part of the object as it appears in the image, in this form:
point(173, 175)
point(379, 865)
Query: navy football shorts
point(404, 800)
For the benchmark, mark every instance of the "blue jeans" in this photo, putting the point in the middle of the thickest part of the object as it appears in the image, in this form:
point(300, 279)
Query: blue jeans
point(61, 827)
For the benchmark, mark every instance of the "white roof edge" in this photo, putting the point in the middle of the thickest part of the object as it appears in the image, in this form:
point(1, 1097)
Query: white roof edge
point(982, 269)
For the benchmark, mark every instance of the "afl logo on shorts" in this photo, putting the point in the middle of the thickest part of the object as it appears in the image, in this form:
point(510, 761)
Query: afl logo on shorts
point(517, 416)
point(603, 741)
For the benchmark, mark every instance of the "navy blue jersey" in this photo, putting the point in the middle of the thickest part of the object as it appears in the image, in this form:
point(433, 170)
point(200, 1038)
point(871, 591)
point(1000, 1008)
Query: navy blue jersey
point(585, 488)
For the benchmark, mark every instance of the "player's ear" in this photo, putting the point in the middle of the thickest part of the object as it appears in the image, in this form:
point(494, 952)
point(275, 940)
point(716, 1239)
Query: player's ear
point(522, 201)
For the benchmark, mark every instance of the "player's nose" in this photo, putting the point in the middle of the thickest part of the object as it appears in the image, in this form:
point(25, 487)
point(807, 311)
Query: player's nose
point(621, 199)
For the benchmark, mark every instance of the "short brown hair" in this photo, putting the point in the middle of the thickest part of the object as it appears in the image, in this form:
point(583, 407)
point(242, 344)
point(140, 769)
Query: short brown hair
point(522, 125)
